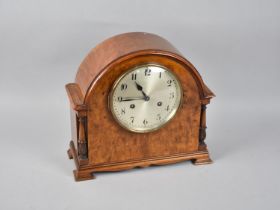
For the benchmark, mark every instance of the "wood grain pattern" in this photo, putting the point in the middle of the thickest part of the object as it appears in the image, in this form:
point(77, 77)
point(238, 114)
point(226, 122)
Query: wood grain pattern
point(75, 96)
point(85, 172)
point(124, 46)
point(111, 147)
point(109, 142)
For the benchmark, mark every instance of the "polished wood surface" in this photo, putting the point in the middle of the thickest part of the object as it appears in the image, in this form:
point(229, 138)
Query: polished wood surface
point(100, 143)
point(109, 142)
point(75, 96)
point(125, 46)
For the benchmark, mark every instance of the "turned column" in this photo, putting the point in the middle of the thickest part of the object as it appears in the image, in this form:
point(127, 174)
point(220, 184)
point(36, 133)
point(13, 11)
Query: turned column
point(82, 141)
point(202, 128)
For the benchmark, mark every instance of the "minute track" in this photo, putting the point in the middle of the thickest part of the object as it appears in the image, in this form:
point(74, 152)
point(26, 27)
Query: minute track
point(145, 97)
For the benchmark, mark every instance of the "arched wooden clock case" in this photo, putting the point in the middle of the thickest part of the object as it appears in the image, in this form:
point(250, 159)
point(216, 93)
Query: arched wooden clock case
point(99, 143)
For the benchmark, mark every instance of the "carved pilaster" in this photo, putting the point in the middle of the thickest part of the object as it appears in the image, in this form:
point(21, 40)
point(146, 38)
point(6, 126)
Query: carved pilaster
point(82, 140)
point(202, 128)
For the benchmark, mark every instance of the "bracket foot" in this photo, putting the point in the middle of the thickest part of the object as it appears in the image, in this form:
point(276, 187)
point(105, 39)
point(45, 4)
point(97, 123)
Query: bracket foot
point(69, 153)
point(83, 175)
point(202, 161)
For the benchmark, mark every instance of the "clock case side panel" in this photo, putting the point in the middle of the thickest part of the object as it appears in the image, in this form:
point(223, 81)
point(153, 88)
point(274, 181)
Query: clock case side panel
point(78, 145)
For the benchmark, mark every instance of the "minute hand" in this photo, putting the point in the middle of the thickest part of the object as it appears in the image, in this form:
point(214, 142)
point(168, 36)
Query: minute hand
point(140, 88)
point(132, 98)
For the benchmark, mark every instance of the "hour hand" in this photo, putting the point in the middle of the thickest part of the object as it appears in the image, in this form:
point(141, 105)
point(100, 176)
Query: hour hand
point(131, 98)
point(140, 88)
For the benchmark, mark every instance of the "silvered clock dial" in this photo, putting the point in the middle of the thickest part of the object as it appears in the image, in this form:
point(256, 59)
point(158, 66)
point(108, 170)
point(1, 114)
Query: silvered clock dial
point(145, 98)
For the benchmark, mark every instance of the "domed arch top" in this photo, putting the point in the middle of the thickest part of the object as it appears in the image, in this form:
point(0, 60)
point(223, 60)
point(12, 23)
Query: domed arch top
point(126, 46)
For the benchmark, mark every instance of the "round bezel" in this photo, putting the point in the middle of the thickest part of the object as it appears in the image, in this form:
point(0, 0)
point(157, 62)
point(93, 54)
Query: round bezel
point(166, 120)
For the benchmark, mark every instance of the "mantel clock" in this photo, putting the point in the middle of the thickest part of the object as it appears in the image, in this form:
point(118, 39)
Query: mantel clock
point(136, 102)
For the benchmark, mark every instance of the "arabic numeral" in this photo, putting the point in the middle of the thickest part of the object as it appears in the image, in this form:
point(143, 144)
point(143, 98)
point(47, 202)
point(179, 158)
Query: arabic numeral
point(147, 72)
point(123, 86)
point(158, 117)
point(145, 122)
point(169, 82)
point(171, 95)
point(167, 108)
point(132, 119)
point(133, 76)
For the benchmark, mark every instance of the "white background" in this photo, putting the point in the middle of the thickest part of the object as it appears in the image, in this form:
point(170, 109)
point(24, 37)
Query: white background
point(234, 44)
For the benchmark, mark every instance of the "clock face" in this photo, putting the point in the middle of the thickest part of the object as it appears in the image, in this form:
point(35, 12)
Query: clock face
point(145, 98)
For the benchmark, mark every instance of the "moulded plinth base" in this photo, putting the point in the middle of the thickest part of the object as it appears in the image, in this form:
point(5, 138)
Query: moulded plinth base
point(85, 171)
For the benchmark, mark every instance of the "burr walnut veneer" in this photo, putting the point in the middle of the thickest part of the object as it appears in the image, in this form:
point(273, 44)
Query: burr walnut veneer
point(99, 143)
